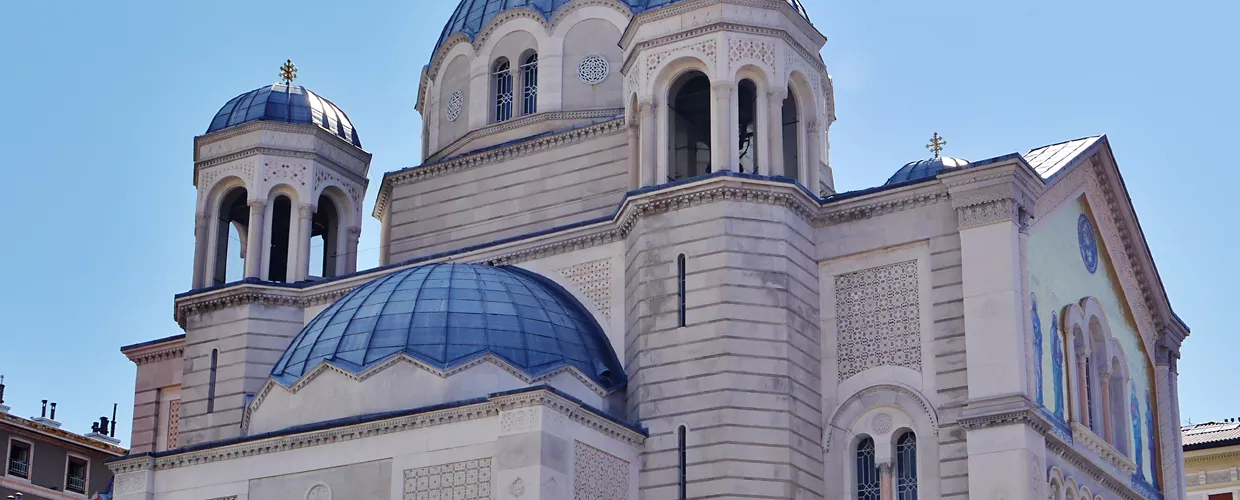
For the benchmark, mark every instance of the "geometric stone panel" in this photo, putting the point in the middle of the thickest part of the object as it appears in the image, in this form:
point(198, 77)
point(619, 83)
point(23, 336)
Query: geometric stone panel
point(878, 318)
point(174, 423)
point(594, 280)
point(468, 480)
point(599, 475)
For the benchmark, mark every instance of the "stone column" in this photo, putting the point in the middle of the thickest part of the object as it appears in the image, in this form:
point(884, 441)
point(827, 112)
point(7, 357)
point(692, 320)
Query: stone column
point(202, 238)
point(813, 150)
point(305, 216)
point(1105, 383)
point(635, 150)
point(886, 490)
point(775, 133)
point(1082, 389)
point(254, 240)
point(722, 125)
point(649, 162)
point(350, 253)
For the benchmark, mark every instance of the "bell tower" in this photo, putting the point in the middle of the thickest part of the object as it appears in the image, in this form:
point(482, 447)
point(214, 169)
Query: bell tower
point(281, 176)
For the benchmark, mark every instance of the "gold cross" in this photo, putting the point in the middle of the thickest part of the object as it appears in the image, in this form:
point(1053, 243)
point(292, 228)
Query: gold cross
point(288, 72)
point(936, 144)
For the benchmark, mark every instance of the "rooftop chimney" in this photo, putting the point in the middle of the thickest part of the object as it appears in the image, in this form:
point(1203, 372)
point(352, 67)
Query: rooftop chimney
point(3, 409)
point(42, 418)
point(100, 431)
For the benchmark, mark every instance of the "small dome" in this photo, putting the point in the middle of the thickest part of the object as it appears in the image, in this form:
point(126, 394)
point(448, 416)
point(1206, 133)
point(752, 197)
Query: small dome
point(447, 315)
point(288, 104)
point(925, 169)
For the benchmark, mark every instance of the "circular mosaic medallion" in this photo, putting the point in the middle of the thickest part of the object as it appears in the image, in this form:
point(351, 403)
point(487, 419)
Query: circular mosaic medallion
point(1088, 243)
point(593, 70)
point(455, 104)
point(881, 423)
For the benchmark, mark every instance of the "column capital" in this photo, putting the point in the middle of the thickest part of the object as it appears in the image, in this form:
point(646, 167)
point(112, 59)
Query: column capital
point(645, 104)
point(257, 204)
point(720, 87)
point(306, 211)
point(777, 95)
point(355, 231)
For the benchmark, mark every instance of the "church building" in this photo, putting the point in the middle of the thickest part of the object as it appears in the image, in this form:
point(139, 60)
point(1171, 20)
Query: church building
point(622, 271)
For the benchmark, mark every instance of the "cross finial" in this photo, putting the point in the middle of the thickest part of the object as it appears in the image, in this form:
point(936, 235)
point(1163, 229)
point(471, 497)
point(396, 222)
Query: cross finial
point(936, 144)
point(288, 72)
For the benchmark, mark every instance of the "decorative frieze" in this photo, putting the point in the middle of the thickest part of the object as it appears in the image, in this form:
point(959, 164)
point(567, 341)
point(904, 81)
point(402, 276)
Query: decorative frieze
point(741, 49)
point(598, 475)
point(131, 482)
point(467, 480)
point(878, 318)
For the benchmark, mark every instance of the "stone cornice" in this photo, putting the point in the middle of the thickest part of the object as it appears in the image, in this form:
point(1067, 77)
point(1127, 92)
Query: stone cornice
point(811, 57)
point(293, 128)
point(1105, 451)
point(241, 294)
point(521, 122)
point(162, 353)
point(285, 153)
point(1069, 453)
point(473, 160)
point(58, 434)
point(489, 408)
point(626, 39)
point(883, 203)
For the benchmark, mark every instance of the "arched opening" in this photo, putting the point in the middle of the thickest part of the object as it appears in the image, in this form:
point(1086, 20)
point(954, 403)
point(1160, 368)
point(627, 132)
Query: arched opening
point(792, 136)
point(1081, 384)
point(867, 471)
point(1096, 370)
point(906, 467)
point(281, 223)
point(324, 238)
point(232, 221)
point(501, 84)
point(689, 117)
point(215, 360)
point(747, 121)
point(682, 465)
point(529, 84)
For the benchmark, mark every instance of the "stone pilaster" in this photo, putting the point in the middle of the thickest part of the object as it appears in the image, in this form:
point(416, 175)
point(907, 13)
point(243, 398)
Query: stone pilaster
point(254, 240)
point(775, 132)
point(723, 123)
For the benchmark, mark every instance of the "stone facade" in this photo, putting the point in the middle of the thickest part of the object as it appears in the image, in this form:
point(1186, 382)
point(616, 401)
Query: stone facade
point(779, 340)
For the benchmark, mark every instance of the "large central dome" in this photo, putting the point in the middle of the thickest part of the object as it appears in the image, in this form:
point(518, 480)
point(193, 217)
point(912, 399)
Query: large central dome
point(447, 315)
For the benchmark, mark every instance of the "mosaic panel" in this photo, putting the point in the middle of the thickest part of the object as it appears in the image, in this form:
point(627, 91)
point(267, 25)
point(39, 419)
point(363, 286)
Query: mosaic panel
point(468, 480)
point(599, 475)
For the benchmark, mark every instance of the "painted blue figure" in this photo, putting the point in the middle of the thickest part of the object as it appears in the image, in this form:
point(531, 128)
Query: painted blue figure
point(1057, 360)
point(1037, 347)
point(1088, 243)
point(1149, 428)
point(1138, 449)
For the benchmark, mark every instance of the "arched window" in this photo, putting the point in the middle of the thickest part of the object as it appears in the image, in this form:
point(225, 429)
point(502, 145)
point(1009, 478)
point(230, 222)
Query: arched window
point(232, 222)
point(682, 465)
point(529, 84)
point(867, 471)
point(324, 238)
point(281, 224)
point(680, 287)
point(1096, 368)
point(792, 136)
point(747, 121)
point(1119, 418)
point(689, 126)
point(215, 360)
point(502, 78)
point(906, 467)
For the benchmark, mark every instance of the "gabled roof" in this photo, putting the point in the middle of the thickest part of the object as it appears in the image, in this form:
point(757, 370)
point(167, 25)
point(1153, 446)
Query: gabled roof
point(1049, 160)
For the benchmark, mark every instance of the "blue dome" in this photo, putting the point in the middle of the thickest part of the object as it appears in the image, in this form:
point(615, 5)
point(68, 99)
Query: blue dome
point(471, 15)
point(285, 103)
point(447, 315)
point(925, 169)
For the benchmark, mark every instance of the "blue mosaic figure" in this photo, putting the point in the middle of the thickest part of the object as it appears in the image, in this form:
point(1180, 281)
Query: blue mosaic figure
point(1037, 346)
point(1138, 449)
point(1149, 428)
point(1057, 360)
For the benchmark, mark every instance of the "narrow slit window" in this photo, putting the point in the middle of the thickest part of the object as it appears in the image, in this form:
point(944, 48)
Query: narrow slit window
point(867, 471)
point(682, 463)
point(906, 467)
point(215, 358)
point(680, 294)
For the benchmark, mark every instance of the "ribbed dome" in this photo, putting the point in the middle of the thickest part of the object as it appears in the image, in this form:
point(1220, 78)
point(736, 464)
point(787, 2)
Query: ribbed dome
point(285, 103)
point(472, 15)
point(926, 168)
point(449, 314)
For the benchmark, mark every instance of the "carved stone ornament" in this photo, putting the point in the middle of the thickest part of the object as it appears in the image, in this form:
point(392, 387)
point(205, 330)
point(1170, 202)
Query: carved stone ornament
point(881, 423)
point(319, 492)
point(517, 488)
point(593, 70)
point(599, 475)
point(878, 318)
point(455, 104)
point(468, 480)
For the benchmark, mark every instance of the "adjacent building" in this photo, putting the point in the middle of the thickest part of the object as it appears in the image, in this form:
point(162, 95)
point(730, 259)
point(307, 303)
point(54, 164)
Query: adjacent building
point(623, 271)
point(44, 462)
point(1212, 460)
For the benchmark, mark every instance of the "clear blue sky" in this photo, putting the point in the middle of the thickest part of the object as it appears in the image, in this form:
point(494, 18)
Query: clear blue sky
point(102, 101)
